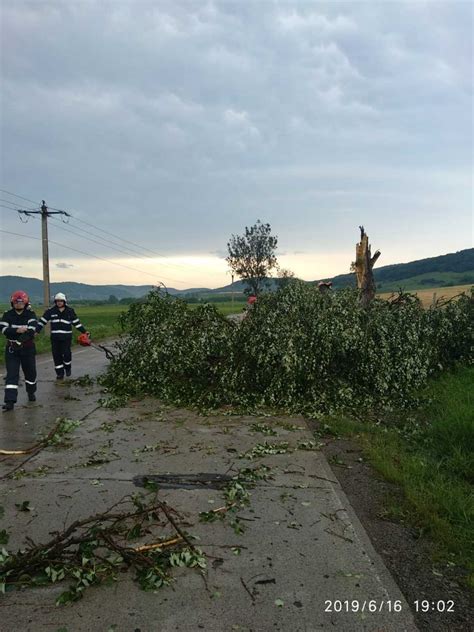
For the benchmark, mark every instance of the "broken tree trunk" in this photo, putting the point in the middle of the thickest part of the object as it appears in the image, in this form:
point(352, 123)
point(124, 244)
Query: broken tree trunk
point(363, 268)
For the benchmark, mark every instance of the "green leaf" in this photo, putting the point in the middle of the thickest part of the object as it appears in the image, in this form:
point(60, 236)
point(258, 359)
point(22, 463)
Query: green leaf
point(24, 506)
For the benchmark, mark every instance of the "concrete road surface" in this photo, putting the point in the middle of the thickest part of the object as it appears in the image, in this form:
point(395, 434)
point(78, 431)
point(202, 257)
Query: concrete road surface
point(305, 562)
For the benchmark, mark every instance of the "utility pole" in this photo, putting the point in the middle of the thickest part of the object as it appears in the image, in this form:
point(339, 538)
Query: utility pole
point(45, 248)
point(45, 213)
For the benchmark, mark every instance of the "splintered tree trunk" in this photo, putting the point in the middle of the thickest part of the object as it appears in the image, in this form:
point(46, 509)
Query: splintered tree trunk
point(363, 267)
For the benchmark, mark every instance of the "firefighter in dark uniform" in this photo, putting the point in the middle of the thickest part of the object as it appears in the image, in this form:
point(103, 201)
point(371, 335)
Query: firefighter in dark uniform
point(19, 326)
point(62, 319)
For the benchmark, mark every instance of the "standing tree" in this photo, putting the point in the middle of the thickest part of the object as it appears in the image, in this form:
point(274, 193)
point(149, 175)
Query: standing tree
point(363, 267)
point(285, 277)
point(252, 256)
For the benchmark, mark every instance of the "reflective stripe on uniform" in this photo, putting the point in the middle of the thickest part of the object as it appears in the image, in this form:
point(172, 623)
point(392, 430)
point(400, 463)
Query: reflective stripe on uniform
point(61, 320)
point(43, 320)
point(61, 331)
point(66, 363)
point(32, 320)
point(60, 366)
point(11, 386)
point(28, 382)
point(76, 320)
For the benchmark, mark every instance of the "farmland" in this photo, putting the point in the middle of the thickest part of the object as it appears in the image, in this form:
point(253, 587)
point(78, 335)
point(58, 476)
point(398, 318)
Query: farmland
point(426, 295)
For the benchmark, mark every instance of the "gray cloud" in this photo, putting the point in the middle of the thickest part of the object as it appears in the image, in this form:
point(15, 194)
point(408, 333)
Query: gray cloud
point(63, 265)
point(176, 124)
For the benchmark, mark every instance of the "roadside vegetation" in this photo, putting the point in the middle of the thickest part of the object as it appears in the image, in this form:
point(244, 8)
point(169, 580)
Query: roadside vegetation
point(429, 453)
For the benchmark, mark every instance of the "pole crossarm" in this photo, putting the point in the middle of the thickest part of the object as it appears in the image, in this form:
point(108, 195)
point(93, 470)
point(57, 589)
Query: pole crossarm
point(45, 213)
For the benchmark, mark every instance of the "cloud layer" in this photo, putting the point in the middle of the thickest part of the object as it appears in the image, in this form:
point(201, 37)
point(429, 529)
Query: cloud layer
point(174, 124)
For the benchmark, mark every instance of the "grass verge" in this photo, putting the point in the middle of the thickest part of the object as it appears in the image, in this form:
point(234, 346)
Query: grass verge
point(430, 456)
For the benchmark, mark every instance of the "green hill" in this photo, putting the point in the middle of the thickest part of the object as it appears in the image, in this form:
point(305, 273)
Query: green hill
point(446, 270)
point(452, 269)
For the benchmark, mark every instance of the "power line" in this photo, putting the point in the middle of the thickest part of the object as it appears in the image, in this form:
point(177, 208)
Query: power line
point(122, 252)
point(10, 208)
point(157, 254)
point(88, 254)
point(109, 241)
point(21, 197)
point(153, 252)
point(15, 207)
point(141, 248)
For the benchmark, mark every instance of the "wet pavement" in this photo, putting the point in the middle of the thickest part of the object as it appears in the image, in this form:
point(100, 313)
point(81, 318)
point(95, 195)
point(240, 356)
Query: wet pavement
point(303, 547)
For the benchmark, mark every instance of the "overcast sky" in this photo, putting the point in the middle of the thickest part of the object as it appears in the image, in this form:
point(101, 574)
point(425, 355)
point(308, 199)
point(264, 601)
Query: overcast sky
point(175, 124)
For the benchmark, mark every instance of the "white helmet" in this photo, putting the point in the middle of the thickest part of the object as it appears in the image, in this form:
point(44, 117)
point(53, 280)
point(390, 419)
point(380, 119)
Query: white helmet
point(60, 297)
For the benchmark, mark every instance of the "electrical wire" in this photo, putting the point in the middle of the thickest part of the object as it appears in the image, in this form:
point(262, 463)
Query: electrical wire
point(19, 196)
point(88, 232)
point(141, 248)
point(156, 254)
point(122, 252)
point(88, 254)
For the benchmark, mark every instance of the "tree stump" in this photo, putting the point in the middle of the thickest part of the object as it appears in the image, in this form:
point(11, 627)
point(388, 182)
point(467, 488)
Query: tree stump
point(363, 268)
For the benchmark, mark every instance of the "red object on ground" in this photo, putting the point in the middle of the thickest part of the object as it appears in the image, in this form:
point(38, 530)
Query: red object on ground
point(19, 295)
point(84, 340)
point(251, 300)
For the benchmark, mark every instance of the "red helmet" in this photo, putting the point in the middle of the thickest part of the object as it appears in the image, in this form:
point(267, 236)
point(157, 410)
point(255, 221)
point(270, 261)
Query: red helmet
point(19, 295)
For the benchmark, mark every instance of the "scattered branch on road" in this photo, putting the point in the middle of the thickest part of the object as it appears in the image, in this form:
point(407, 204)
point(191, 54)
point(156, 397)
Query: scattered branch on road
point(94, 550)
point(56, 436)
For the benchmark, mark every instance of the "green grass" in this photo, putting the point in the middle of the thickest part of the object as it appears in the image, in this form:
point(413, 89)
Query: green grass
point(428, 280)
point(226, 307)
point(100, 320)
point(430, 456)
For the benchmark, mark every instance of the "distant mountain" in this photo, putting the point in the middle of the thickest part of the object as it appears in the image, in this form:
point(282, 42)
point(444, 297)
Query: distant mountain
point(451, 269)
point(455, 268)
point(74, 291)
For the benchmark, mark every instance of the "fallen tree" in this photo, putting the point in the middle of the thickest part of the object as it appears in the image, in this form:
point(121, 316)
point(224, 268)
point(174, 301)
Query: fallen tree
point(300, 351)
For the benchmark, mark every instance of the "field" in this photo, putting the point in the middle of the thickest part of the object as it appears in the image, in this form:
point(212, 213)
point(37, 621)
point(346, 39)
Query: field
point(426, 296)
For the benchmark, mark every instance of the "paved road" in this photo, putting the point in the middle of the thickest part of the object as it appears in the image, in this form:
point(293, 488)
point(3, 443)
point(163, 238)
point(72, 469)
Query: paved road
point(302, 545)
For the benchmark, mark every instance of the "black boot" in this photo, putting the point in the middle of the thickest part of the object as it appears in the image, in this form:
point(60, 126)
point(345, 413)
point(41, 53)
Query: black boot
point(7, 406)
point(60, 377)
point(31, 397)
point(68, 371)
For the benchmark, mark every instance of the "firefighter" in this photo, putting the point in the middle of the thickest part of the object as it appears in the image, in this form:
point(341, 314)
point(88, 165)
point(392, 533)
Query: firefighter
point(19, 326)
point(62, 319)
